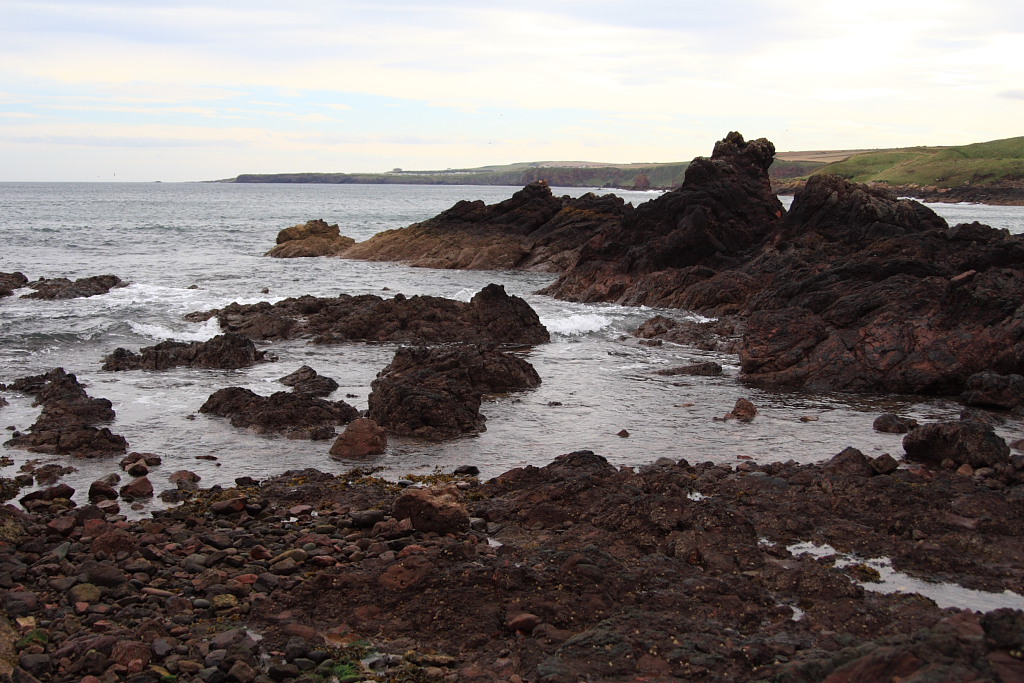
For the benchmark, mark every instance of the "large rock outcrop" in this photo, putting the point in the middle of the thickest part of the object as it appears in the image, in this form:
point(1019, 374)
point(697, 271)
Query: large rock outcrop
point(435, 393)
point(224, 352)
point(532, 230)
point(491, 316)
point(11, 281)
point(312, 238)
point(67, 423)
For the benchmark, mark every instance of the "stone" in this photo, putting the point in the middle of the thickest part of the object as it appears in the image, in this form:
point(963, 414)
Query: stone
point(63, 288)
point(362, 437)
point(305, 380)
point(436, 509)
point(964, 442)
point(296, 416)
point(891, 423)
point(227, 351)
point(744, 410)
point(311, 239)
point(139, 489)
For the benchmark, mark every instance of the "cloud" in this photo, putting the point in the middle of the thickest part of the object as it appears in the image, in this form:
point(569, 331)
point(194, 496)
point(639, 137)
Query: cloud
point(1017, 94)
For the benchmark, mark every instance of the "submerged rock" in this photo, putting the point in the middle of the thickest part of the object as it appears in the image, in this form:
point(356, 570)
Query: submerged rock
point(313, 238)
point(491, 316)
point(435, 393)
point(224, 352)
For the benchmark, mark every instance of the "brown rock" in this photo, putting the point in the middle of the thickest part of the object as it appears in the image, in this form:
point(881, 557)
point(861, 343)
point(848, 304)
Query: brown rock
point(362, 437)
point(743, 410)
point(224, 352)
point(314, 238)
point(137, 490)
point(437, 510)
point(964, 442)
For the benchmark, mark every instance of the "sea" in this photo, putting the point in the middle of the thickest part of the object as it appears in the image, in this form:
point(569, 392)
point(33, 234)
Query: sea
point(186, 247)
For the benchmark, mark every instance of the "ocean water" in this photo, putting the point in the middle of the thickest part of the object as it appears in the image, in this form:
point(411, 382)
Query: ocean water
point(189, 247)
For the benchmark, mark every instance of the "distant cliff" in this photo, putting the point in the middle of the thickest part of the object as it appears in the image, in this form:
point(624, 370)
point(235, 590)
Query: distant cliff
point(621, 176)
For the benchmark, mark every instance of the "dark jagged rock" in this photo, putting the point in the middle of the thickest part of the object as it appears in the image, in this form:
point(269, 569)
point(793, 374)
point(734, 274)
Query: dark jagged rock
point(11, 281)
point(225, 352)
point(532, 230)
point(67, 422)
point(964, 442)
point(313, 238)
point(296, 416)
point(492, 316)
point(63, 288)
point(722, 212)
point(890, 423)
point(435, 393)
point(705, 369)
point(305, 380)
point(722, 334)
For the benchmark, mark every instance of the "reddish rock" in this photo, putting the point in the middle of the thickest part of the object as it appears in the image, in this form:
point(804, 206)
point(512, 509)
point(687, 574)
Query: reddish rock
point(744, 410)
point(137, 489)
point(891, 423)
point(305, 380)
point(992, 390)
point(362, 437)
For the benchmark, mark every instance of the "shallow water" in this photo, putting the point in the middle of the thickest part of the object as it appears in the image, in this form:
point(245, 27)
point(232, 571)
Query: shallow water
point(189, 247)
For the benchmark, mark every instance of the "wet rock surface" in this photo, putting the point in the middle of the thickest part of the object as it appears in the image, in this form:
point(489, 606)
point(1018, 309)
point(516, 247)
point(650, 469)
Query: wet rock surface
point(533, 230)
point(63, 288)
point(11, 281)
point(435, 393)
point(312, 238)
point(69, 419)
point(306, 380)
point(294, 415)
point(491, 316)
point(574, 571)
point(225, 351)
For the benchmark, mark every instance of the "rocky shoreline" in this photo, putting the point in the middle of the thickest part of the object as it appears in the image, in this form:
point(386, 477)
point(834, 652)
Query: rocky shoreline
point(574, 571)
point(1001, 193)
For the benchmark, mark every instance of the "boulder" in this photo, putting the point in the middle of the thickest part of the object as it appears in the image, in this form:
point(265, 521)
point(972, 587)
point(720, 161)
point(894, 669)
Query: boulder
point(11, 281)
point(492, 317)
point(63, 288)
point(891, 423)
point(704, 369)
point(296, 416)
point(362, 437)
point(992, 390)
point(313, 238)
point(305, 380)
point(964, 442)
point(435, 393)
point(435, 510)
point(224, 352)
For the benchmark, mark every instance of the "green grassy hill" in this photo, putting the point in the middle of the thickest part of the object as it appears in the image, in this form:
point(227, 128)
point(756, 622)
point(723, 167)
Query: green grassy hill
point(976, 164)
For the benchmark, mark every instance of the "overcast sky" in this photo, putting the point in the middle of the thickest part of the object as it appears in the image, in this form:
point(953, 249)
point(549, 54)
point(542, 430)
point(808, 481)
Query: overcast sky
point(177, 90)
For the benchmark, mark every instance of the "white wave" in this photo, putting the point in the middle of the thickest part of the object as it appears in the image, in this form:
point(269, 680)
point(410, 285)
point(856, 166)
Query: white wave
point(465, 294)
point(201, 332)
point(577, 324)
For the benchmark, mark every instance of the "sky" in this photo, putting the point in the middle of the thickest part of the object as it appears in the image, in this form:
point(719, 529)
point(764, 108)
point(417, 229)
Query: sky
point(182, 90)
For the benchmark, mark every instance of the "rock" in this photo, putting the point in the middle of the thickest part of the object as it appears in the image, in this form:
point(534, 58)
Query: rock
point(891, 423)
point(532, 230)
point(305, 380)
point(992, 390)
point(66, 423)
point(63, 288)
point(969, 443)
point(314, 238)
point(435, 509)
point(524, 622)
point(721, 335)
point(744, 411)
point(101, 490)
point(491, 316)
point(884, 464)
point(705, 369)
point(296, 416)
point(224, 352)
point(850, 463)
point(138, 489)
point(362, 437)
point(435, 393)
point(11, 281)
